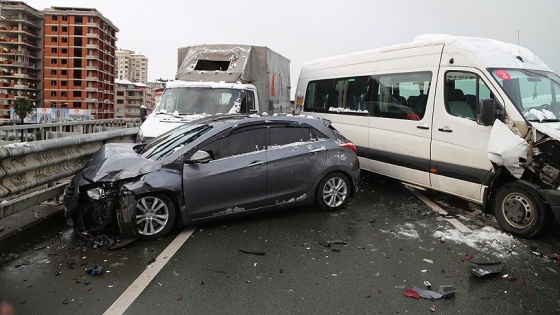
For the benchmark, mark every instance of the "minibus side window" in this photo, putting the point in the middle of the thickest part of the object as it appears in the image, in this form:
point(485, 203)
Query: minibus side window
point(318, 95)
point(401, 96)
point(463, 90)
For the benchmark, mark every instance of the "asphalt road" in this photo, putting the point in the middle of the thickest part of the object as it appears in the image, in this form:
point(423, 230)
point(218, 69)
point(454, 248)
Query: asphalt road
point(358, 260)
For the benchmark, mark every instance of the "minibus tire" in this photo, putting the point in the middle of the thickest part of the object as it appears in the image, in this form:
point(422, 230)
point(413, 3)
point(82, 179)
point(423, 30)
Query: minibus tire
point(520, 211)
point(322, 195)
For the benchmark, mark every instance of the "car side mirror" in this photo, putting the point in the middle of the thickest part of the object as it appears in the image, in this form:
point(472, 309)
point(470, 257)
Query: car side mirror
point(143, 113)
point(199, 157)
point(487, 111)
point(139, 147)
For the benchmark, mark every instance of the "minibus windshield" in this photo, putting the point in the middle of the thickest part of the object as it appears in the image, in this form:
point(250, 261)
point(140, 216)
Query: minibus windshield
point(535, 93)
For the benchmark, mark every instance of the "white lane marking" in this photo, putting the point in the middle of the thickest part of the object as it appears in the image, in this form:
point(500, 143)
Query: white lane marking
point(458, 225)
point(135, 289)
point(427, 201)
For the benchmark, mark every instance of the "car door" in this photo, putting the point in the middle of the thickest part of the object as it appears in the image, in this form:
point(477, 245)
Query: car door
point(459, 162)
point(296, 158)
point(234, 181)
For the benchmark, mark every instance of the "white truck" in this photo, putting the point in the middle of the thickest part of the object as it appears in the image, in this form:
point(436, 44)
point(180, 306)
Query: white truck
point(220, 79)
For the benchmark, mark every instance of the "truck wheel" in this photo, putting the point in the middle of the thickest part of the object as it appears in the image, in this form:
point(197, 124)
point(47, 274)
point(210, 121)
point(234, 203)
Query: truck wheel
point(155, 216)
point(520, 211)
point(333, 192)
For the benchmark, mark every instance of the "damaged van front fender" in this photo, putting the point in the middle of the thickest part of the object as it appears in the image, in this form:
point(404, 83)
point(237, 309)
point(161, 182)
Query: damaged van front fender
point(507, 149)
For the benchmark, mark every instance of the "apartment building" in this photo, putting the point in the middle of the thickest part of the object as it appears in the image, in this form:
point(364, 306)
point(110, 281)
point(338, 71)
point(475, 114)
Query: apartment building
point(21, 42)
point(79, 61)
point(131, 66)
point(130, 96)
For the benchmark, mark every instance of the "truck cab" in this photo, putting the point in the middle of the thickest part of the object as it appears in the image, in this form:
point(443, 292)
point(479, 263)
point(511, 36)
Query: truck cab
point(183, 102)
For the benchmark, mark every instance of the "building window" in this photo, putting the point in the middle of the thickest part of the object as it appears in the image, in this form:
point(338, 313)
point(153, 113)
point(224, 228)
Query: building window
point(64, 50)
point(54, 17)
point(54, 39)
point(65, 17)
point(54, 50)
point(53, 72)
point(64, 61)
point(65, 28)
point(53, 93)
point(63, 83)
point(63, 72)
point(53, 83)
point(53, 62)
point(77, 93)
point(65, 39)
point(54, 28)
point(76, 105)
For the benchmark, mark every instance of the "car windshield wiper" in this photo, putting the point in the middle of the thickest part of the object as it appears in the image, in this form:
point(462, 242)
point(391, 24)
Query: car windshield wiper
point(543, 121)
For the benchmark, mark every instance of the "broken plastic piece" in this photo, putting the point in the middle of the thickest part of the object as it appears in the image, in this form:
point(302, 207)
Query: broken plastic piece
point(427, 294)
point(483, 269)
point(96, 270)
point(555, 256)
point(433, 308)
point(467, 257)
point(252, 251)
point(447, 291)
point(329, 243)
point(427, 284)
point(428, 261)
point(411, 293)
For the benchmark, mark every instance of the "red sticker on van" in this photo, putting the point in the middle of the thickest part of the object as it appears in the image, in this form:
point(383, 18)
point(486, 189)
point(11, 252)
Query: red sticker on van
point(503, 74)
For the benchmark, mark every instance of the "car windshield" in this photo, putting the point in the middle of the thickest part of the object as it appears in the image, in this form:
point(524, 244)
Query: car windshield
point(199, 100)
point(173, 141)
point(536, 94)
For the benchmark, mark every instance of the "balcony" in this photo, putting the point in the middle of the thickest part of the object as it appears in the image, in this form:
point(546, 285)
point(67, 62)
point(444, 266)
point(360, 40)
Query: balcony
point(92, 79)
point(92, 57)
point(91, 100)
point(92, 46)
point(21, 86)
point(92, 68)
point(92, 35)
point(91, 89)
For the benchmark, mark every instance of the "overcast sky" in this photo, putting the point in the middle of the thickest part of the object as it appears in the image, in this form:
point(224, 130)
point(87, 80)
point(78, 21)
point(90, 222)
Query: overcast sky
point(303, 30)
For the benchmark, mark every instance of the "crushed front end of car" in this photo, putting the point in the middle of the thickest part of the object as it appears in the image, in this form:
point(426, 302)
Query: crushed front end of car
point(102, 213)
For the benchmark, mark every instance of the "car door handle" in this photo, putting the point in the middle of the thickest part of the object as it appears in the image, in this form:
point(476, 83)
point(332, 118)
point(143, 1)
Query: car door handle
point(321, 149)
point(423, 126)
point(445, 129)
point(255, 163)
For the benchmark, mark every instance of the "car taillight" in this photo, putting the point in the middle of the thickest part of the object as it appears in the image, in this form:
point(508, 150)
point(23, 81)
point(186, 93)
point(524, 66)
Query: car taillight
point(348, 145)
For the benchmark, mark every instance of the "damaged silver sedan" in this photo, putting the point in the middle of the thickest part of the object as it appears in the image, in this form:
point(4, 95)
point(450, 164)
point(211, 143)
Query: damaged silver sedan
point(215, 168)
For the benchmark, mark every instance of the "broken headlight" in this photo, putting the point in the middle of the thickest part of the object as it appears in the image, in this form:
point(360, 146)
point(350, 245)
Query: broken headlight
point(96, 193)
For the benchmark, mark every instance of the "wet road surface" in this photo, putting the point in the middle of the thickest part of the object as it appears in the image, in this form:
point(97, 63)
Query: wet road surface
point(358, 260)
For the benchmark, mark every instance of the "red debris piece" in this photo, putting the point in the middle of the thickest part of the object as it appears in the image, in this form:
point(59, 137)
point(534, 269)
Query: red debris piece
point(467, 257)
point(556, 257)
point(411, 293)
point(179, 299)
point(510, 279)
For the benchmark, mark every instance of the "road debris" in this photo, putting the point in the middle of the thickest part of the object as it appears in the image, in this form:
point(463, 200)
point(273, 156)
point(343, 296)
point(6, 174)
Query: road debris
point(427, 284)
point(96, 270)
point(428, 260)
point(427, 294)
point(326, 243)
point(467, 257)
point(447, 291)
point(58, 273)
point(252, 251)
point(411, 293)
point(555, 257)
point(483, 269)
point(432, 308)
point(150, 261)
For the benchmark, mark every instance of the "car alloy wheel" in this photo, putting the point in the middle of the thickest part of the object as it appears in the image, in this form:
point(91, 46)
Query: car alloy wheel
point(153, 215)
point(333, 192)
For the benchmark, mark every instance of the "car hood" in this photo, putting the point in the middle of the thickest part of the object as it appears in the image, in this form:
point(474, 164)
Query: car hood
point(117, 161)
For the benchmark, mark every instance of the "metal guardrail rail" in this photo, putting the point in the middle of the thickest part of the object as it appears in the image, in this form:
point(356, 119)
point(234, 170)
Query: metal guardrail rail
point(34, 132)
point(28, 165)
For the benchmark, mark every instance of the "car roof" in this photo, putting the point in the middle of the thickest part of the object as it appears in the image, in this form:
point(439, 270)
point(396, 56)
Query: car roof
point(241, 119)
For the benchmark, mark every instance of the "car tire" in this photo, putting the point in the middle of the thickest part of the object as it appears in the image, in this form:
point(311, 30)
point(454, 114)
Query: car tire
point(520, 211)
point(155, 216)
point(333, 192)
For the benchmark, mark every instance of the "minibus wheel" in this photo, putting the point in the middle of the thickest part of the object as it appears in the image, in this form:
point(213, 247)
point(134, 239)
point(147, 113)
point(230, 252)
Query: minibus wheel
point(520, 211)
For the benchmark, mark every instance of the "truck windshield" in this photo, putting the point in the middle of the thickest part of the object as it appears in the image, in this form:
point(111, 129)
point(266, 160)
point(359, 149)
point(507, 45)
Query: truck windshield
point(536, 94)
point(199, 100)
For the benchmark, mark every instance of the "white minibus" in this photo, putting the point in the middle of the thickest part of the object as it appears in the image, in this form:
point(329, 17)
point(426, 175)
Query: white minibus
point(472, 117)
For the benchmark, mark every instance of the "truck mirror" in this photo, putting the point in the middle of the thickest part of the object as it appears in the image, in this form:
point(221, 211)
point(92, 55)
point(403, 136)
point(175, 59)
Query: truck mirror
point(143, 113)
point(486, 112)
